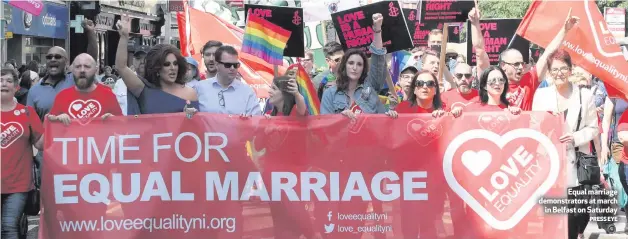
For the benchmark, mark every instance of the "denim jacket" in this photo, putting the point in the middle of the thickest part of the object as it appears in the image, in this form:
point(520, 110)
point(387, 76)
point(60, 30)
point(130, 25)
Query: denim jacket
point(366, 95)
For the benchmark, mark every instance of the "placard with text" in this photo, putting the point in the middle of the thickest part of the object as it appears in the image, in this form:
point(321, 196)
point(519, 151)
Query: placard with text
point(355, 26)
point(420, 31)
point(445, 10)
point(289, 18)
point(497, 34)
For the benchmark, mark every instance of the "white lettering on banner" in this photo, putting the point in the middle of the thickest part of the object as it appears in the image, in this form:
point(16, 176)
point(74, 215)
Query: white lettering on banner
point(115, 148)
point(155, 186)
point(49, 20)
point(150, 224)
point(227, 189)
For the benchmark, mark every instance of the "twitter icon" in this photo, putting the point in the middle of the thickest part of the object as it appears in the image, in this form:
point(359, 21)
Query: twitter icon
point(329, 228)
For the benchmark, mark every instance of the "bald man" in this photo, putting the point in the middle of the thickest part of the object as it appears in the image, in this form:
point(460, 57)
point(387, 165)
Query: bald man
point(87, 99)
point(42, 95)
point(463, 94)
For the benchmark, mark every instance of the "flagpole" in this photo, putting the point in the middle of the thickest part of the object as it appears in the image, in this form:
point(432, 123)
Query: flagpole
point(275, 70)
point(443, 52)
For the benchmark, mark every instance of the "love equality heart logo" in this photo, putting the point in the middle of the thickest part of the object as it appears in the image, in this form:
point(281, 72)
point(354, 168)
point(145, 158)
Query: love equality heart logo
point(494, 122)
point(503, 181)
point(460, 104)
point(424, 132)
point(11, 132)
point(84, 110)
point(356, 125)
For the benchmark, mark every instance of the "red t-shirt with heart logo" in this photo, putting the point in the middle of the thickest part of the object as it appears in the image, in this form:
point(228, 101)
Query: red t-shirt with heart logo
point(17, 147)
point(479, 107)
point(86, 105)
point(454, 98)
point(407, 108)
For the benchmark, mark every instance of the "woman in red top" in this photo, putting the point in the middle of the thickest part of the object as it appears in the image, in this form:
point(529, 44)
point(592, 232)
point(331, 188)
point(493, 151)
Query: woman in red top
point(425, 97)
point(21, 130)
point(493, 90)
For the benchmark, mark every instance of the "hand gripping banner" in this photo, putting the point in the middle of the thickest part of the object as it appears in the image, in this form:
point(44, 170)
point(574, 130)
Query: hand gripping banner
point(216, 176)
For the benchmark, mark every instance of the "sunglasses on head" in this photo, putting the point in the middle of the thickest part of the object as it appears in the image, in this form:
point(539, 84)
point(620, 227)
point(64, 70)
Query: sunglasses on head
point(56, 56)
point(420, 83)
point(229, 65)
point(459, 76)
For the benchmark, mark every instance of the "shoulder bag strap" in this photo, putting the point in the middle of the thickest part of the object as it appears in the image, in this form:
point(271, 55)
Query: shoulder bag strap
point(579, 114)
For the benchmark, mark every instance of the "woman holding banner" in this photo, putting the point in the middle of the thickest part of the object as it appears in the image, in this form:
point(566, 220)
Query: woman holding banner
point(22, 130)
point(493, 90)
point(580, 114)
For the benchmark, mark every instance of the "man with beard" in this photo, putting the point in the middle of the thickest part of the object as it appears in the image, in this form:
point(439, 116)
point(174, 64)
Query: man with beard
point(209, 59)
point(86, 99)
point(522, 80)
point(42, 95)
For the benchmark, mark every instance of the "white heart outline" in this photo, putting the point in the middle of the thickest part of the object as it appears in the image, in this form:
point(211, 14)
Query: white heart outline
point(425, 122)
point(501, 141)
point(460, 103)
point(496, 117)
point(356, 127)
point(85, 103)
point(2, 125)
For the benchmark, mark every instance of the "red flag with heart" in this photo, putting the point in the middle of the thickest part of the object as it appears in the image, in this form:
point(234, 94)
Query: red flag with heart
point(590, 44)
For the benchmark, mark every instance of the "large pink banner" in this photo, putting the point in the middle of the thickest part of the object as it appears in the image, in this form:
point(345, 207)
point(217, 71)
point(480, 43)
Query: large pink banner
point(166, 176)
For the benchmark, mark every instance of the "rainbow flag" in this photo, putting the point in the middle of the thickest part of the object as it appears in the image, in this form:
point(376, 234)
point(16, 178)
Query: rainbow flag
point(265, 40)
point(306, 88)
point(399, 61)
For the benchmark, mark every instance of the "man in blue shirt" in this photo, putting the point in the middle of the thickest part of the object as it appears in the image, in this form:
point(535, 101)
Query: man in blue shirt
point(41, 96)
point(224, 94)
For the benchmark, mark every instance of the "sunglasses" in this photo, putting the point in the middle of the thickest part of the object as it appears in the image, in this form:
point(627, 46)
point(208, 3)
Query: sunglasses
point(496, 81)
point(585, 86)
point(459, 76)
point(430, 84)
point(229, 65)
point(167, 63)
point(337, 60)
point(56, 56)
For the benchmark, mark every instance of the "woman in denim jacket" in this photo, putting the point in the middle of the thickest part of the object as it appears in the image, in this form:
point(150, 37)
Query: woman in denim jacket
point(357, 84)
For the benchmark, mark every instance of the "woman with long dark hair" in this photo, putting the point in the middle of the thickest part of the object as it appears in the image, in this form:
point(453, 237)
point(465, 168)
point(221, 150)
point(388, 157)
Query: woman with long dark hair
point(163, 90)
point(493, 89)
point(357, 82)
point(285, 98)
point(424, 97)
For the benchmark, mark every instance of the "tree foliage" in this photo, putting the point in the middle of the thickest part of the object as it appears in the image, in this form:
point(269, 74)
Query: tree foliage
point(518, 8)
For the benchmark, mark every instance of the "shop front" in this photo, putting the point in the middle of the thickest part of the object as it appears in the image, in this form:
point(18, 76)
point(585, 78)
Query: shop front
point(34, 35)
point(146, 21)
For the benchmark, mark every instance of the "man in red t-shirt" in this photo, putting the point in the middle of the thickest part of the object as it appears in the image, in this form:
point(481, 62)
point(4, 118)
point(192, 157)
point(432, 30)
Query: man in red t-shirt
point(463, 94)
point(522, 80)
point(87, 99)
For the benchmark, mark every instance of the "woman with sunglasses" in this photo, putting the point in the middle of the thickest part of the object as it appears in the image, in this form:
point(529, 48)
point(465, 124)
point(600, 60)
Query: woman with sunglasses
point(578, 108)
point(357, 84)
point(493, 89)
point(424, 97)
point(164, 89)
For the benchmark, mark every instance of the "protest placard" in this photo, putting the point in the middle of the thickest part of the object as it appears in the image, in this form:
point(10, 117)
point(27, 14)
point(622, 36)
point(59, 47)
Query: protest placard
point(497, 34)
point(419, 31)
point(289, 18)
point(445, 10)
point(354, 26)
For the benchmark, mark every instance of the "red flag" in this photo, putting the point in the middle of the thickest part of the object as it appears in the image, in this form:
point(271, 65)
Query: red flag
point(589, 44)
point(183, 20)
